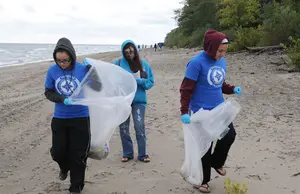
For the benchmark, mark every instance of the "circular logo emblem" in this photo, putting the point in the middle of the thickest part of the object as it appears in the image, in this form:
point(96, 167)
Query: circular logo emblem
point(216, 76)
point(66, 85)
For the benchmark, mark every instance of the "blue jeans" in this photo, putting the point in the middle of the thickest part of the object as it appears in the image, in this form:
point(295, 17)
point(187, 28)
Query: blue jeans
point(138, 115)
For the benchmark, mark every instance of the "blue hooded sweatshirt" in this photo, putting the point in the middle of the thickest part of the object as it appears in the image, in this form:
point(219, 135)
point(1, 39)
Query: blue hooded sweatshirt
point(140, 95)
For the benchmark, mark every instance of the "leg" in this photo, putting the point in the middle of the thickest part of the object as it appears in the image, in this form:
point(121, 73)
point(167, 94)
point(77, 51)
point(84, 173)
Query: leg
point(206, 166)
point(126, 140)
point(60, 146)
point(221, 150)
point(79, 146)
point(138, 114)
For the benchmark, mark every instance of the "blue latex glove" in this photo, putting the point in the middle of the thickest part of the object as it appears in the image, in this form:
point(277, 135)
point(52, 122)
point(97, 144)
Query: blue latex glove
point(186, 118)
point(237, 90)
point(67, 101)
point(85, 62)
point(140, 81)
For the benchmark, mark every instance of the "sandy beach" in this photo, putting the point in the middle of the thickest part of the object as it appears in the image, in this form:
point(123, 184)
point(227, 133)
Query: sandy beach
point(265, 154)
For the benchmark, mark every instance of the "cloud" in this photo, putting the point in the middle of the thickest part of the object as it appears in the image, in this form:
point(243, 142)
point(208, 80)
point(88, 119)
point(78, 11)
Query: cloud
point(74, 8)
point(29, 8)
point(108, 22)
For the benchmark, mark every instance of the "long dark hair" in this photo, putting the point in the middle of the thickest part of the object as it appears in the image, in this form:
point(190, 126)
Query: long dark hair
point(136, 63)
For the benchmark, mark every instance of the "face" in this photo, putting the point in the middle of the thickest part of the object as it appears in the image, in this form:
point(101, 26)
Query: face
point(129, 53)
point(221, 52)
point(63, 59)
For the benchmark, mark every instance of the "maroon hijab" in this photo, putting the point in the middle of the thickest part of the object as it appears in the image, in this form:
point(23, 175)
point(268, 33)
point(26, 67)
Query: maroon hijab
point(212, 41)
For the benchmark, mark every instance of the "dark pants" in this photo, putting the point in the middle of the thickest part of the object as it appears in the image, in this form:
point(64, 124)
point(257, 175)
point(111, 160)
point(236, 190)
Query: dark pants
point(70, 147)
point(218, 158)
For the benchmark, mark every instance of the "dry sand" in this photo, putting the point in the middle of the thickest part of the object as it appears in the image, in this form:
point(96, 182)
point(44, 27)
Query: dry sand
point(265, 154)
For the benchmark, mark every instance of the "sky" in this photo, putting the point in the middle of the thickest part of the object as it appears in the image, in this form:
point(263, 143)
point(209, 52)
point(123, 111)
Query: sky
point(87, 21)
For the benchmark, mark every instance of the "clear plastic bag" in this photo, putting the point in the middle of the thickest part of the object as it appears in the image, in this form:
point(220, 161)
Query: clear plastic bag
point(206, 126)
point(217, 120)
point(196, 143)
point(108, 91)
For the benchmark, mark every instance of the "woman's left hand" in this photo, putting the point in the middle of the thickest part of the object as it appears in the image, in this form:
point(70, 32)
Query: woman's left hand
point(237, 90)
point(85, 62)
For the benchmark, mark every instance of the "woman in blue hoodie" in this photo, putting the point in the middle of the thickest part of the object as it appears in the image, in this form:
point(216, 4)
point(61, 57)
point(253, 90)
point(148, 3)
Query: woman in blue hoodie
point(70, 123)
point(141, 70)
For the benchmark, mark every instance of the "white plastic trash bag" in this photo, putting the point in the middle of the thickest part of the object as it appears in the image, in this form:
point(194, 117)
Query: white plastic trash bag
point(196, 141)
point(108, 91)
point(206, 126)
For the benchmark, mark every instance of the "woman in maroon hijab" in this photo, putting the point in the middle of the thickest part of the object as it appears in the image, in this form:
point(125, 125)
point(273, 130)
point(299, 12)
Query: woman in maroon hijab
point(203, 87)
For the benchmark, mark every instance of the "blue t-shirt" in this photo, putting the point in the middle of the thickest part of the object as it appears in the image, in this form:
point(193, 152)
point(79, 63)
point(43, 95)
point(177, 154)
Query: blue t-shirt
point(65, 82)
point(210, 75)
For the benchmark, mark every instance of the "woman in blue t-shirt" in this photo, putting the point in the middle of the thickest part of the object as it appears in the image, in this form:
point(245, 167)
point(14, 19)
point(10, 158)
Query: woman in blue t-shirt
point(70, 123)
point(142, 71)
point(203, 87)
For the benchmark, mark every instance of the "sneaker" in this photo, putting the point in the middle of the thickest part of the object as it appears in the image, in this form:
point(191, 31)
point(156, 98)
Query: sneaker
point(76, 192)
point(63, 175)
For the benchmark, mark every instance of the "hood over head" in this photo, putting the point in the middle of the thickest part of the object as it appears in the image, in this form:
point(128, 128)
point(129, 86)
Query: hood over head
point(212, 41)
point(127, 42)
point(65, 45)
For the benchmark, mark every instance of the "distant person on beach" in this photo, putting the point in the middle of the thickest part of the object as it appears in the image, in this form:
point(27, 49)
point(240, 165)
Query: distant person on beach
point(70, 124)
point(202, 87)
point(160, 45)
point(155, 47)
point(141, 70)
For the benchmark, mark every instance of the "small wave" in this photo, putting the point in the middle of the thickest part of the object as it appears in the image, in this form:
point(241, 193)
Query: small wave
point(40, 49)
point(19, 63)
point(4, 51)
point(20, 54)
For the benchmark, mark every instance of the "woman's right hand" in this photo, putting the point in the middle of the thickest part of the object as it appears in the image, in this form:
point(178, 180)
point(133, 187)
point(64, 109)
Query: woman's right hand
point(186, 118)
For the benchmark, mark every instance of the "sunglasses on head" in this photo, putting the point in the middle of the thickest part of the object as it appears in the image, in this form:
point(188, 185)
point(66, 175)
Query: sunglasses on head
point(63, 60)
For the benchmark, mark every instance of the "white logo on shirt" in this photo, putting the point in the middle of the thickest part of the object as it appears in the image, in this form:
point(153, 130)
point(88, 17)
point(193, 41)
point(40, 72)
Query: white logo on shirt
point(66, 85)
point(216, 76)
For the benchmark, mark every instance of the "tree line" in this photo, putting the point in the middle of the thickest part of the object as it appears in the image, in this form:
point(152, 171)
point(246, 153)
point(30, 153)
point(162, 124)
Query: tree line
point(248, 23)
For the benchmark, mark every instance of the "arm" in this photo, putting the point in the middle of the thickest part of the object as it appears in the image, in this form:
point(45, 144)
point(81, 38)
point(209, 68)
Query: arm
point(227, 88)
point(186, 91)
point(50, 91)
point(149, 81)
point(188, 85)
point(94, 81)
point(116, 61)
point(53, 96)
